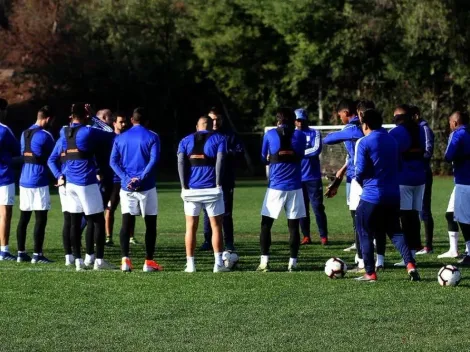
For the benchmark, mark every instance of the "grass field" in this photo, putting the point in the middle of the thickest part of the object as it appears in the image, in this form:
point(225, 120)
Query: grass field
point(51, 308)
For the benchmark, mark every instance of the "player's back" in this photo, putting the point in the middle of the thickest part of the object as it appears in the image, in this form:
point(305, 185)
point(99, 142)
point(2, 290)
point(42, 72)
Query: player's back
point(311, 161)
point(458, 152)
point(286, 148)
point(9, 147)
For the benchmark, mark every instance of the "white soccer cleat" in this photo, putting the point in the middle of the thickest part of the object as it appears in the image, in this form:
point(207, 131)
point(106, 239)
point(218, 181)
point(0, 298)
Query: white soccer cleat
point(69, 260)
point(151, 266)
point(80, 265)
point(103, 265)
point(126, 265)
point(400, 264)
point(220, 269)
point(190, 269)
point(350, 249)
point(89, 260)
point(448, 254)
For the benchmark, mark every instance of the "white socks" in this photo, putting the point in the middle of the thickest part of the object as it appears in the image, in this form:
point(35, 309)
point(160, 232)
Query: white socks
point(380, 260)
point(218, 258)
point(89, 258)
point(453, 241)
point(360, 263)
point(264, 259)
point(292, 262)
point(4, 248)
point(467, 247)
point(99, 261)
point(190, 262)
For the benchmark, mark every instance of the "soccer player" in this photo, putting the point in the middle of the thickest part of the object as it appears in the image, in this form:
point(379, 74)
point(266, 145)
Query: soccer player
point(312, 186)
point(105, 116)
point(458, 153)
point(134, 158)
point(36, 146)
point(82, 143)
point(200, 165)
point(378, 213)
point(452, 229)
point(102, 120)
point(9, 148)
point(412, 174)
point(426, 214)
point(234, 150)
point(120, 125)
point(283, 149)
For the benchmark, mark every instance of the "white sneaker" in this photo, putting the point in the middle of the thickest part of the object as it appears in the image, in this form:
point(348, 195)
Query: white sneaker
point(126, 265)
point(80, 265)
point(448, 254)
point(189, 269)
point(424, 251)
point(89, 260)
point(349, 249)
point(292, 268)
point(69, 260)
point(220, 269)
point(400, 264)
point(103, 265)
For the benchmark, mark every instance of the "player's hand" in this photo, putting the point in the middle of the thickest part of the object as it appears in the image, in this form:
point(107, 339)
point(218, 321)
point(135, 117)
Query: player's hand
point(98, 177)
point(339, 174)
point(60, 181)
point(332, 188)
point(133, 185)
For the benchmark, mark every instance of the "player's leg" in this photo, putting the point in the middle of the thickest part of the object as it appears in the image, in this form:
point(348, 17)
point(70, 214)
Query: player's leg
point(265, 242)
point(191, 211)
point(462, 216)
point(110, 211)
point(227, 223)
point(129, 207)
point(348, 193)
point(426, 215)
point(295, 210)
point(216, 211)
point(453, 230)
point(316, 198)
point(74, 206)
point(407, 218)
point(149, 204)
point(90, 242)
point(206, 245)
point(7, 200)
point(25, 217)
point(66, 239)
point(305, 222)
point(366, 228)
point(39, 236)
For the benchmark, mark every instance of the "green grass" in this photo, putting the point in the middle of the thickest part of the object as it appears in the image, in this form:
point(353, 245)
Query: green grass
point(51, 308)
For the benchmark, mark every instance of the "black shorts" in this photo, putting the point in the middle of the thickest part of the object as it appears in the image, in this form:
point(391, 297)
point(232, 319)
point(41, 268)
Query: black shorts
point(114, 197)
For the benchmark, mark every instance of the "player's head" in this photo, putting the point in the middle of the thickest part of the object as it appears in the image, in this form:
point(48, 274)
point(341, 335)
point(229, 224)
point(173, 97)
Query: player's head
point(301, 118)
point(457, 119)
point(285, 116)
point(119, 122)
point(79, 112)
point(139, 116)
point(45, 116)
point(204, 124)
point(402, 114)
point(346, 110)
point(3, 109)
point(106, 116)
point(217, 118)
point(415, 113)
point(362, 106)
point(371, 121)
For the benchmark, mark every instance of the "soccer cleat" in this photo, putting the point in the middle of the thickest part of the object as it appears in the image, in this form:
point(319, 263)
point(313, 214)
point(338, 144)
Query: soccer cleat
point(358, 270)
point(126, 265)
point(69, 260)
point(133, 241)
point(189, 269)
point(23, 257)
point(351, 248)
point(206, 246)
point(103, 265)
point(412, 272)
point(465, 260)
point(109, 242)
point(89, 260)
point(425, 250)
point(367, 277)
point(40, 259)
point(151, 265)
point(324, 241)
point(400, 264)
point(80, 265)
point(306, 240)
point(7, 256)
point(221, 269)
point(264, 267)
point(448, 254)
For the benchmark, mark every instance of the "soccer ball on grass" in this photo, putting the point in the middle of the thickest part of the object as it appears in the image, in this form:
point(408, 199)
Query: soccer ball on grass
point(449, 275)
point(230, 259)
point(335, 268)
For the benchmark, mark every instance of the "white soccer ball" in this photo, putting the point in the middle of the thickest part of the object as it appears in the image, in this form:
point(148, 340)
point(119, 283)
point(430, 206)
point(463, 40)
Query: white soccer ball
point(449, 275)
point(335, 268)
point(230, 259)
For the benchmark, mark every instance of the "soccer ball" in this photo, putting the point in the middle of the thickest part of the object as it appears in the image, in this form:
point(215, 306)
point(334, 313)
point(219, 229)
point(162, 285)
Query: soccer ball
point(230, 259)
point(335, 268)
point(449, 275)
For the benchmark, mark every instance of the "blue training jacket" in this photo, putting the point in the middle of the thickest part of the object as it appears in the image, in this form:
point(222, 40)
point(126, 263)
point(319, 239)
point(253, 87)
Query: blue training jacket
point(429, 142)
point(411, 172)
point(234, 151)
point(349, 135)
point(311, 161)
point(136, 154)
point(91, 140)
point(376, 168)
point(458, 153)
point(201, 177)
point(42, 144)
point(284, 176)
point(9, 148)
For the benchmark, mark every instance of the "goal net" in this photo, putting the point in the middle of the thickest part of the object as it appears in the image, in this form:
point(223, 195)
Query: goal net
point(332, 157)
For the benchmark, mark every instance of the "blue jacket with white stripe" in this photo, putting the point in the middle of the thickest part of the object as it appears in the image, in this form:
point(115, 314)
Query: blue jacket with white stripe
point(311, 161)
point(9, 148)
point(429, 140)
point(458, 153)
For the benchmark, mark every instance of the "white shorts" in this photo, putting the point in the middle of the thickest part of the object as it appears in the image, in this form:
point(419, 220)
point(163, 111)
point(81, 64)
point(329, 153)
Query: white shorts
point(451, 205)
point(63, 198)
point(139, 203)
point(411, 197)
point(32, 199)
point(354, 195)
point(84, 199)
point(348, 192)
point(291, 201)
point(7, 194)
point(211, 199)
point(462, 204)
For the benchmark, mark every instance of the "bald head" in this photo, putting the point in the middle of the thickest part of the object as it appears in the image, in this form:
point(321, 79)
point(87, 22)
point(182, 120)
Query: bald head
point(106, 116)
point(204, 124)
point(457, 119)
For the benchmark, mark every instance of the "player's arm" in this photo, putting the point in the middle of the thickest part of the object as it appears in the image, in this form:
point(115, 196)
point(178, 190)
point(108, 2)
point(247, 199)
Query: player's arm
point(346, 134)
point(220, 161)
point(115, 162)
point(360, 162)
point(154, 156)
point(316, 148)
point(429, 142)
point(452, 148)
point(54, 159)
point(265, 150)
point(182, 164)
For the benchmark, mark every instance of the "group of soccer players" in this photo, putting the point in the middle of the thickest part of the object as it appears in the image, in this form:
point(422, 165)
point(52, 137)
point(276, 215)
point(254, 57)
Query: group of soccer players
point(99, 161)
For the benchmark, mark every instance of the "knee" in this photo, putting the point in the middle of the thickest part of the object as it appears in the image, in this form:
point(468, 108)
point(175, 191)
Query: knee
point(450, 217)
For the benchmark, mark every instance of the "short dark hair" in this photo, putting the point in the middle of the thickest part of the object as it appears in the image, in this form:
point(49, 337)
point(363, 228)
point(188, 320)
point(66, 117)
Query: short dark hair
point(406, 116)
point(3, 104)
point(285, 115)
point(78, 110)
point(117, 114)
point(214, 110)
point(414, 110)
point(346, 104)
point(45, 112)
point(373, 119)
point(462, 117)
point(139, 115)
point(364, 105)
